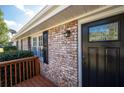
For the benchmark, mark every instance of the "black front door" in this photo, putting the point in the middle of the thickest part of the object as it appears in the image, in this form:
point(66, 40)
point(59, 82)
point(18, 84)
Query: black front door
point(103, 52)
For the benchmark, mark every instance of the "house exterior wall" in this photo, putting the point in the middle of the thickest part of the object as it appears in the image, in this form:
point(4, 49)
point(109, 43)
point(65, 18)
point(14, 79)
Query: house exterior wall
point(25, 44)
point(22, 44)
point(62, 56)
point(62, 68)
point(19, 44)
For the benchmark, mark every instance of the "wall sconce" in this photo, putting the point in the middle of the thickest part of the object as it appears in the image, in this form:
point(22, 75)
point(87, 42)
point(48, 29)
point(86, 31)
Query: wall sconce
point(67, 33)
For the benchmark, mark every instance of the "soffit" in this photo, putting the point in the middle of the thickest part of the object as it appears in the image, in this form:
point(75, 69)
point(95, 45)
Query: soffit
point(67, 14)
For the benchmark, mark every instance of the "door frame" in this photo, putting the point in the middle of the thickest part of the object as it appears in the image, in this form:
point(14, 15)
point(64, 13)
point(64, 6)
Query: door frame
point(94, 16)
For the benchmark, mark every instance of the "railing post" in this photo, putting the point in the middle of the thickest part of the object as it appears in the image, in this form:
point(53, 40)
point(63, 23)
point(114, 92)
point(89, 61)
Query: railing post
point(10, 74)
point(38, 62)
point(27, 69)
point(20, 71)
point(5, 68)
point(30, 68)
point(37, 66)
point(33, 66)
point(23, 70)
point(15, 74)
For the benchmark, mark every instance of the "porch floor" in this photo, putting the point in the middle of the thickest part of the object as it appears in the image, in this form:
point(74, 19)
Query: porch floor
point(37, 81)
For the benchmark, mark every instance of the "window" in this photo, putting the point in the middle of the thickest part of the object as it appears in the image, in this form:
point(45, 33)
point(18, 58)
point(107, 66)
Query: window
point(106, 32)
point(40, 41)
point(34, 48)
point(40, 45)
point(34, 41)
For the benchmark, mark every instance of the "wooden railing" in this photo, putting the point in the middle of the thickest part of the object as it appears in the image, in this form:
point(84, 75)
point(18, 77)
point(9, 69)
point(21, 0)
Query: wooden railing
point(15, 71)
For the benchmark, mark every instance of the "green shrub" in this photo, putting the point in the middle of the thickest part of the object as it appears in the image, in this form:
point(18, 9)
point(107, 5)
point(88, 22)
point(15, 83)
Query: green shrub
point(10, 48)
point(11, 55)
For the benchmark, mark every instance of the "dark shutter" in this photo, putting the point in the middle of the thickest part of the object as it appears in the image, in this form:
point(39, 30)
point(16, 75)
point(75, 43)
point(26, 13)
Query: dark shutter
point(17, 44)
point(21, 44)
point(45, 47)
point(29, 43)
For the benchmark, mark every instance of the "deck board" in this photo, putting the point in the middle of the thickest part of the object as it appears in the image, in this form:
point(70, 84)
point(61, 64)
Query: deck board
point(37, 81)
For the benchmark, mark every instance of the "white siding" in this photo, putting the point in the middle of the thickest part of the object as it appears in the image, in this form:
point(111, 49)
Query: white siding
point(25, 44)
point(19, 44)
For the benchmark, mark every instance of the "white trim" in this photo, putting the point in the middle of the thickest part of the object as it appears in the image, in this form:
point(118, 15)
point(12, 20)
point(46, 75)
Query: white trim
point(53, 13)
point(93, 17)
point(41, 40)
point(107, 13)
point(33, 41)
point(46, 8)
point(37, 37)
point(79, 56)
point(76, 18)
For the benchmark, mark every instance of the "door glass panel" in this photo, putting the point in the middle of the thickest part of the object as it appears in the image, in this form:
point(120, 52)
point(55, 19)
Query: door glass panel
point(106, 32)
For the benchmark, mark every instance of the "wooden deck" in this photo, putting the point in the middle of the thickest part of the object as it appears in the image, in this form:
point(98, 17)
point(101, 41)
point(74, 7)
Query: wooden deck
point(37, 81)
point(24, 72)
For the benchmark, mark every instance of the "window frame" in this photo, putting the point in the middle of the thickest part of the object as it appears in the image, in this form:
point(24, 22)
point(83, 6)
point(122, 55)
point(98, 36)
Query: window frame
point(108, 31)
point(34, 41)
point(40, 40)
point(102, 22)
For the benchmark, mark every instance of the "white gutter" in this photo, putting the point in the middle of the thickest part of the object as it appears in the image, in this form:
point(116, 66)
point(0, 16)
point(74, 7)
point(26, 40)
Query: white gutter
point(34, 18)
point(28, 26)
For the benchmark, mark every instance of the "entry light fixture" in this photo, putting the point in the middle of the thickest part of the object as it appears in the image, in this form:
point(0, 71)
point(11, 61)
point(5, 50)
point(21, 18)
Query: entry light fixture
point(67, 33)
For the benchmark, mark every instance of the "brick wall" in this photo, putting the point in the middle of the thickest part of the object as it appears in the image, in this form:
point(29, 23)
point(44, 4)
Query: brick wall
point(62, 67)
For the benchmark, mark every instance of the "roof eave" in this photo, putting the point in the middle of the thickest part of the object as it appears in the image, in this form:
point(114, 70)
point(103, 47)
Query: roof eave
point(27, 26)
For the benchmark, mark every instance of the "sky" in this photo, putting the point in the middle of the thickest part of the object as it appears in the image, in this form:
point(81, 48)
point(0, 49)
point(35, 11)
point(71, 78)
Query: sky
point(16, 16)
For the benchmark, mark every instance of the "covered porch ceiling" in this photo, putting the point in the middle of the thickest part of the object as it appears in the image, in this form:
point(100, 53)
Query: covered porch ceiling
point(68, 13)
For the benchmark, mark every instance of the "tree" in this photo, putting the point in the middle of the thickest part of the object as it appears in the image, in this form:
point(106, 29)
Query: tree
point(3, 30)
